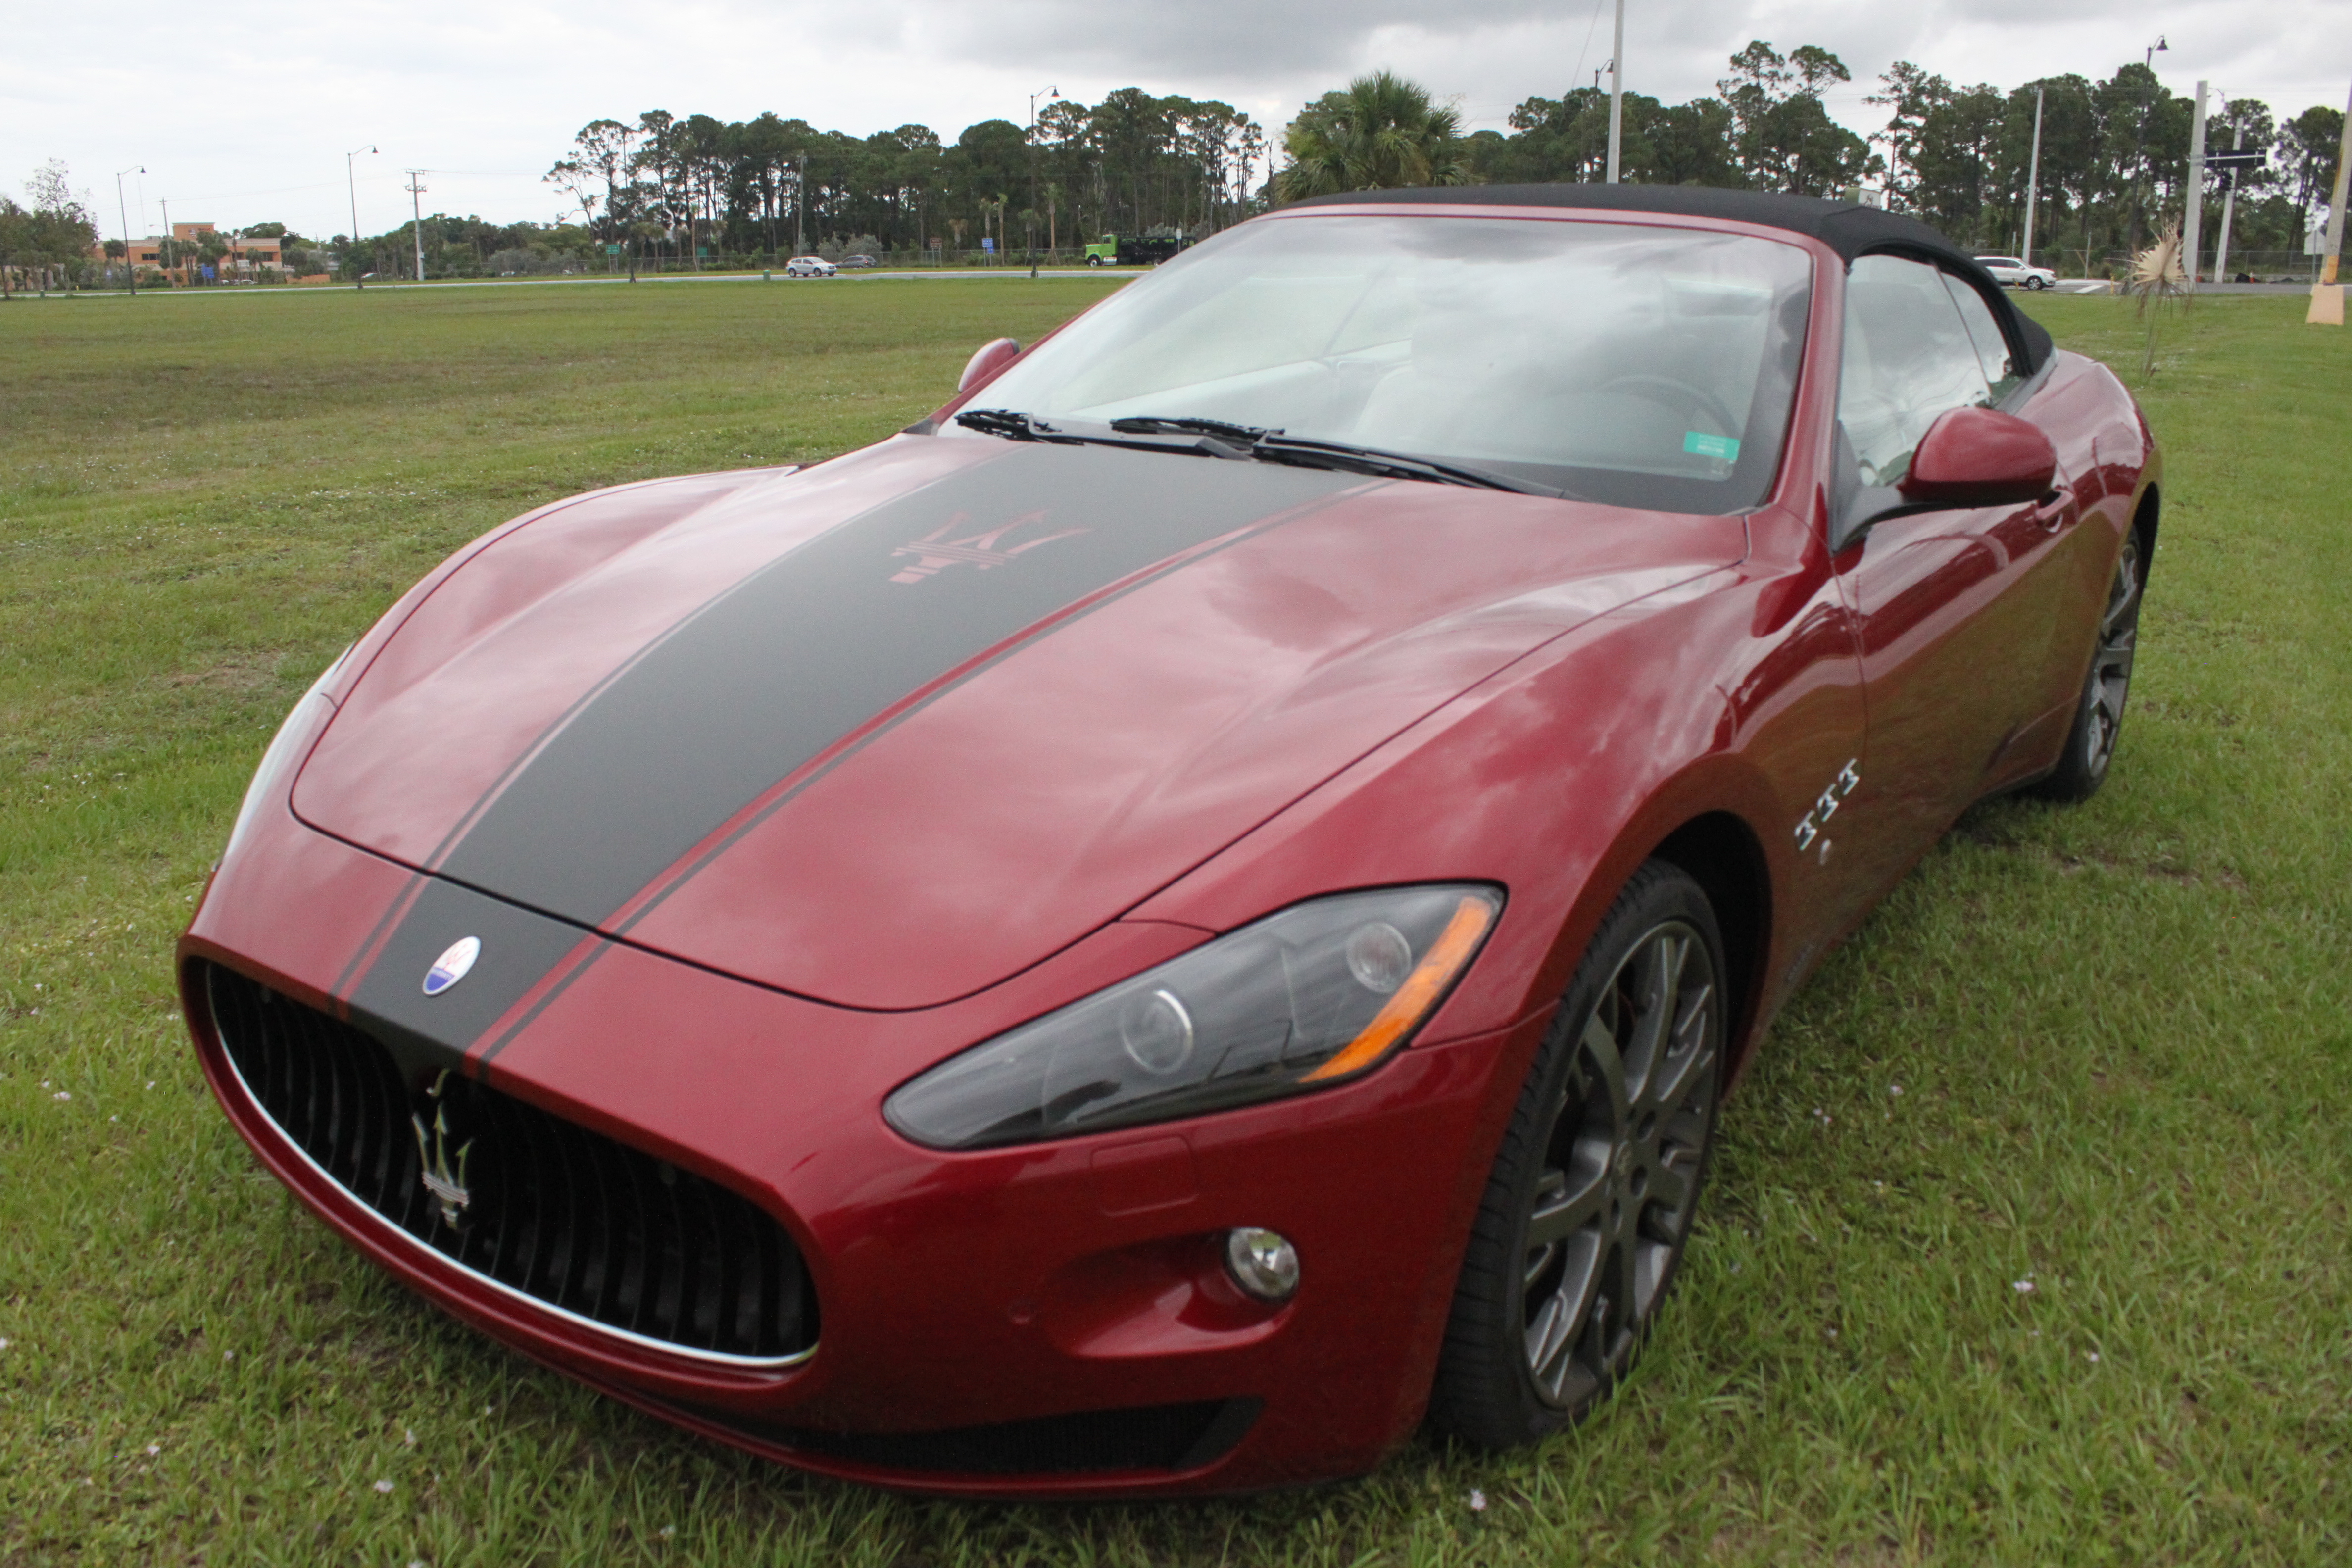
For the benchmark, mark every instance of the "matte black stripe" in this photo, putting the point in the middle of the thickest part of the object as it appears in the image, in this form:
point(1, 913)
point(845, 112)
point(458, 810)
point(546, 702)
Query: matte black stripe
point(769, 674)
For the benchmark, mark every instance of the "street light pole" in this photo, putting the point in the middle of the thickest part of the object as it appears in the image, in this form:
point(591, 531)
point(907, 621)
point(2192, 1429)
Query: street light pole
point(352, 180)
point(130, 262)
point(1617, 97)
point(2140, 142)
point(2033, 179)
point(1031, 225)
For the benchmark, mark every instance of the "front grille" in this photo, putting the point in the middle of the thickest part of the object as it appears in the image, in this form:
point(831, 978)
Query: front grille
point(549, 1210)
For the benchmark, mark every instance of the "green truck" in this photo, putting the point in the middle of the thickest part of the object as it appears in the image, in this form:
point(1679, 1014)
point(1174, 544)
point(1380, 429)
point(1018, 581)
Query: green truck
point(1134, 250)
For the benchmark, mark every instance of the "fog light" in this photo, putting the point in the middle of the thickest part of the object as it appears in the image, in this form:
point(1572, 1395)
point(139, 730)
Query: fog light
point(1261, 1263)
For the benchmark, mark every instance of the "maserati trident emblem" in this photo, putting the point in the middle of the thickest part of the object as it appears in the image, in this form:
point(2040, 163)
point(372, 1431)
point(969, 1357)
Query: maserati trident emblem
point(451, 966)
point(935, 552)
point(448, 1185)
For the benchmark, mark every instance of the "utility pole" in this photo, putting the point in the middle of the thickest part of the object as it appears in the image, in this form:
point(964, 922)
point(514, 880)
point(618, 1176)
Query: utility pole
point(1617, 97)
point(2336, 200)
point(2228, 201)
point(171, 246)
point(2196, 188)
point(130, 262)
point(415, 188)
point(800, 204)
point(2032, 179)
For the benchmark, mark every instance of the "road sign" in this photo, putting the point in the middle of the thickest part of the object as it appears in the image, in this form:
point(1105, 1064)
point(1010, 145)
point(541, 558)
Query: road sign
point(2237, 158)
point(988, 243)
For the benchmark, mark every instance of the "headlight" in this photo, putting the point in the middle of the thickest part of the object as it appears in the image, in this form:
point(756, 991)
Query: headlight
point(302, 725)
point(1302, 999)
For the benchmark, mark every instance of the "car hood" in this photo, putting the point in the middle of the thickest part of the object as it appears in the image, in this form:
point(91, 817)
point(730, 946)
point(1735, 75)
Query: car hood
point(885, 732)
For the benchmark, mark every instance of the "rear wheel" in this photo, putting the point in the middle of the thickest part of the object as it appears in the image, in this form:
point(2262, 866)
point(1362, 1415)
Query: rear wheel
point(1590, 1202)
point(2099, 713)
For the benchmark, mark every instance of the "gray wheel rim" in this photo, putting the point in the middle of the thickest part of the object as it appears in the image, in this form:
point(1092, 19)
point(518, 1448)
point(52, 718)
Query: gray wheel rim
point(2110, 665)
point(1613, 1203)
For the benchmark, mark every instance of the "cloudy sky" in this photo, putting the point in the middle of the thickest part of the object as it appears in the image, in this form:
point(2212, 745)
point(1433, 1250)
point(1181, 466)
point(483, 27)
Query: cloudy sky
point(242, 111)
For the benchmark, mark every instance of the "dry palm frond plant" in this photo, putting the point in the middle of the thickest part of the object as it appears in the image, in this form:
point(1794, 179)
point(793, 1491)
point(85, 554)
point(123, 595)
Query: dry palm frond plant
point(2156, 277)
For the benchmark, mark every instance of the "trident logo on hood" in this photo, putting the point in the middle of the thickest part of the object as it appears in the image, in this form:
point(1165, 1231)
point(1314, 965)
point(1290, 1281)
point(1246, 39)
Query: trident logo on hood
point(935, 552)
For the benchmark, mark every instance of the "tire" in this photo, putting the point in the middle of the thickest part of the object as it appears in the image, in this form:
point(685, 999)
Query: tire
point(1094, 261)
point(2037, 283)
point(1590, 1202)
point(2099, 713)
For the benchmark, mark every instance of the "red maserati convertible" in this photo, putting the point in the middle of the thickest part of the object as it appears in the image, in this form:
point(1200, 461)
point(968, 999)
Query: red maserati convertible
point(1195, 909)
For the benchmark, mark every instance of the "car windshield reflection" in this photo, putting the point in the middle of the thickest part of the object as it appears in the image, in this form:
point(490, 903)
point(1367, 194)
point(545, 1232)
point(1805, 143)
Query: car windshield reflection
point(1634, 363)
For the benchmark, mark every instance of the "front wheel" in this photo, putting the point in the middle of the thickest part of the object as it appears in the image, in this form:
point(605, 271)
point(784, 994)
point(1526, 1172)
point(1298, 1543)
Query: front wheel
point(2099, 713)
point(1094, 261)
point(1590, 1202)
point(2037, 283)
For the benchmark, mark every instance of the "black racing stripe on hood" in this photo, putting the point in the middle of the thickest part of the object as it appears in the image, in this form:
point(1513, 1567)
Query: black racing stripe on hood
point(785, 664)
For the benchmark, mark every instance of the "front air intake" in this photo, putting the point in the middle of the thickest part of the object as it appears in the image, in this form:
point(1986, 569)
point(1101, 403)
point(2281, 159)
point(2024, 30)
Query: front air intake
point(537, 1205)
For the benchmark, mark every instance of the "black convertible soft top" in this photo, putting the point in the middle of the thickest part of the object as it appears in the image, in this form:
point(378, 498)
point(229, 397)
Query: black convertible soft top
point(1848, 228)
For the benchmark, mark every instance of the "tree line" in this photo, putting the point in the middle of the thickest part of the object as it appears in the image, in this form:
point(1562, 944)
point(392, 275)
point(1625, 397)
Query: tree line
point(686, 185)
point(2114, 153)
point(683, 191)
point(46, 240)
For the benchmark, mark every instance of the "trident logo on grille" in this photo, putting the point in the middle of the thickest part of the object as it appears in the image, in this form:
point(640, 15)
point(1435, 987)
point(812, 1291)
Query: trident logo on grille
point(447, 1186)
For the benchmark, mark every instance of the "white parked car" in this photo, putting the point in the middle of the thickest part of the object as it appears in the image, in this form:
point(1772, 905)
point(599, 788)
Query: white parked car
point(2010, 270)
point(809, 267)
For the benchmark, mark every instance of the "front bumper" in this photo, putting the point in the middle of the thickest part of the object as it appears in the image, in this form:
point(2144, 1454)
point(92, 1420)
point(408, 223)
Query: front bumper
point(1049, 1320)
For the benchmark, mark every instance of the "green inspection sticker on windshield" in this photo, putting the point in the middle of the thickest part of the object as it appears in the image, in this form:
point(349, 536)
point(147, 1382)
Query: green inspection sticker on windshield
point(1700, 443)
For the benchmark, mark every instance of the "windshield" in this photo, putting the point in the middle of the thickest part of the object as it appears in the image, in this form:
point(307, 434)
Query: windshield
point(1638, 365)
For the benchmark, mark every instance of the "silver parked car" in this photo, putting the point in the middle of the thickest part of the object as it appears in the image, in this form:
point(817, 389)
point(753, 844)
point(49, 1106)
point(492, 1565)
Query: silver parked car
point(809, 267)
point(2010, 271)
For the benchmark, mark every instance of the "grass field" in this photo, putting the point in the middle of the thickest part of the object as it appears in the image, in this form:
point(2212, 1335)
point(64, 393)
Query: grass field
point(2100, 1052)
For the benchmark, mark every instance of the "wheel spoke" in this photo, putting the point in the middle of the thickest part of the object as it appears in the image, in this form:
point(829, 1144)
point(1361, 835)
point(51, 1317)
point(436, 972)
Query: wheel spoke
point(1662, 957)
point(1623, 1284)
point(1600, 1043)
point(1579, 1282)
point(1538, 1261)
point(1685, 1071)
point(1549, 1339)
point(1672, 1182)
point(1570, 1206)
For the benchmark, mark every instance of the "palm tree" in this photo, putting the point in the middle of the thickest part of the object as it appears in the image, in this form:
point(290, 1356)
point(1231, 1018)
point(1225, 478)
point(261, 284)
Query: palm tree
point(1381, 133)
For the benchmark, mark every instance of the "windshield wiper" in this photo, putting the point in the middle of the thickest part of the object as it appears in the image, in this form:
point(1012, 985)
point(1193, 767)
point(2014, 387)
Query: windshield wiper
point(1220, 438)
point(1209, 439)
point(1276, 447)
point(1161, 425)
point(1006, 423)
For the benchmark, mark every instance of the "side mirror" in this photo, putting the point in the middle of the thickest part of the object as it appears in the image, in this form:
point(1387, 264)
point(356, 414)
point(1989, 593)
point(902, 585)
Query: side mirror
point(1979, 457)
point(992, 358)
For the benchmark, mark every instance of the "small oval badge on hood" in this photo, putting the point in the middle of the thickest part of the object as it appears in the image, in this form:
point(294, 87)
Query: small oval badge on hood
point(451, 966)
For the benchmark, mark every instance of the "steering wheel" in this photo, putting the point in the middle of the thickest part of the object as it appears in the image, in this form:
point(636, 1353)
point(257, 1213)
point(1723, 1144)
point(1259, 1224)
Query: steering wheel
point(1680, 394)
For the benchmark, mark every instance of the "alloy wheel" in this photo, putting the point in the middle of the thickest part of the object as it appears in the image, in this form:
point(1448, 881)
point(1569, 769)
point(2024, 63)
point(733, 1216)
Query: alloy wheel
point(2110, 665)
point(1613, 1202)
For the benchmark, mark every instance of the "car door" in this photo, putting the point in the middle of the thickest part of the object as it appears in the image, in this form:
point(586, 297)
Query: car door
point(1949, 604)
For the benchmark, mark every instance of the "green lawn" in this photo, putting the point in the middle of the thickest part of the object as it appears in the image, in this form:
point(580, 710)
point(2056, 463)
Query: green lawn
point(2100, 1051)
